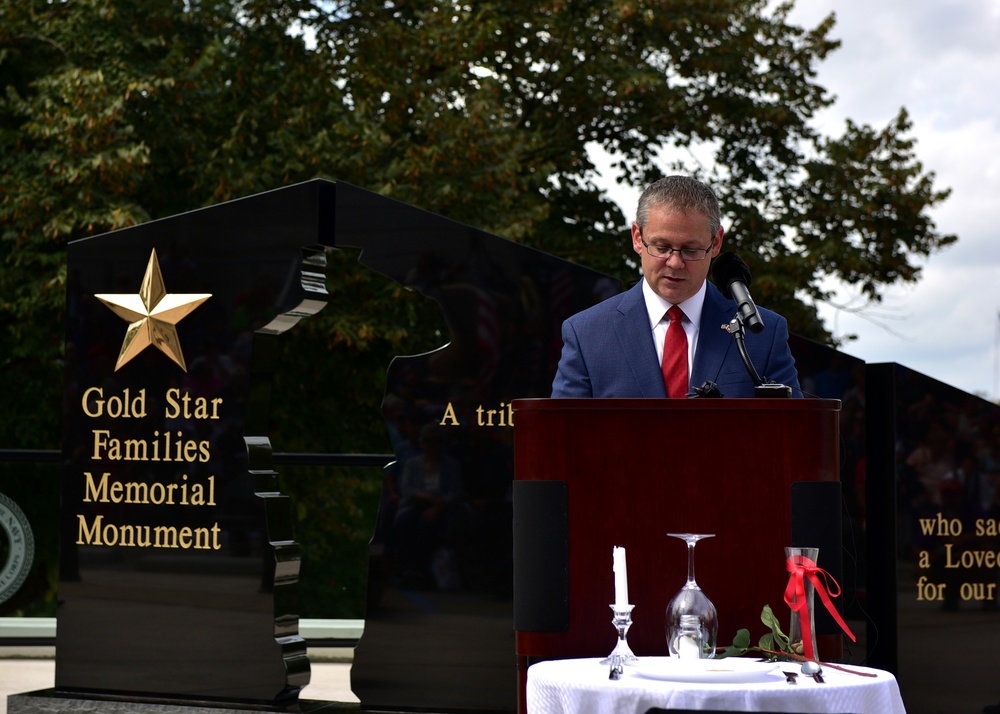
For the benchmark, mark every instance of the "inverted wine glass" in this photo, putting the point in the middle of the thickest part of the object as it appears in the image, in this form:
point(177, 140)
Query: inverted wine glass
point(692, 622)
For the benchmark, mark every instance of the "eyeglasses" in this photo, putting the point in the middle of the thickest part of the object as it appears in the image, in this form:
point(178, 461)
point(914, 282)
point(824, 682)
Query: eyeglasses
point(688, 255)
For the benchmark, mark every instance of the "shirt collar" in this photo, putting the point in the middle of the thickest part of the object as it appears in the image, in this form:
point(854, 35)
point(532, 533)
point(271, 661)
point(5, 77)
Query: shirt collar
point(657, 307)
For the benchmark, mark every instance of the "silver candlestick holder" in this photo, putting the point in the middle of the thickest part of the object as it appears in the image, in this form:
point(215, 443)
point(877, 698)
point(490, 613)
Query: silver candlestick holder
point(622, 653)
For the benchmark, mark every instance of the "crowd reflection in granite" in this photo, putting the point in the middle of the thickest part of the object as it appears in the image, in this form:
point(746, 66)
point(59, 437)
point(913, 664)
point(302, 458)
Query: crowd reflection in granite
point(446, 509)
point(948, 500)
point(946, 477)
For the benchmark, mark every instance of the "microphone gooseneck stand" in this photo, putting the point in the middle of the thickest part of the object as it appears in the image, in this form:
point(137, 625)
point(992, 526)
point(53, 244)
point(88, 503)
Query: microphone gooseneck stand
point(736, 329)
point(732, 276)
point(761, 388)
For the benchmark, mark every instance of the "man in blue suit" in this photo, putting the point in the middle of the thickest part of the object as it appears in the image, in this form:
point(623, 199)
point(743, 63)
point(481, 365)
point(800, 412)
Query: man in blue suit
point(615, 349)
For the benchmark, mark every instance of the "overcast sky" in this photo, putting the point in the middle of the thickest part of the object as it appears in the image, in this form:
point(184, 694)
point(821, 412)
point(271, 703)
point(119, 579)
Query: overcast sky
point(941, 60)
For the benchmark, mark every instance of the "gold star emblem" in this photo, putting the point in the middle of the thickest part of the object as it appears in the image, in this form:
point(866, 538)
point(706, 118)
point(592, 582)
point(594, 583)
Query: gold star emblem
point(152, 316)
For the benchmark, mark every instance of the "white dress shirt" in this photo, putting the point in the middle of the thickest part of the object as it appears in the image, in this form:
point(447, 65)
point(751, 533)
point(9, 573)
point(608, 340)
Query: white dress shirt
point(659, 322)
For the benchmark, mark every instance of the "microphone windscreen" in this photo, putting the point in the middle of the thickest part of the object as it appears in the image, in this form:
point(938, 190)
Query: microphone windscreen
point(727, 268)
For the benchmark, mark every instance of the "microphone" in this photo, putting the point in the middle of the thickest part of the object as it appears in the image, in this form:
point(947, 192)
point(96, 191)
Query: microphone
point(732, 277)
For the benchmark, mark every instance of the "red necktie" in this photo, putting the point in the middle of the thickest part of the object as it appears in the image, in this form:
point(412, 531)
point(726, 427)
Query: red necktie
point(675, 356)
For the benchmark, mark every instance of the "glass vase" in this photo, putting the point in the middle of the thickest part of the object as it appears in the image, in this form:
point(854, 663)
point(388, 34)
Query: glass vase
point(803, 615)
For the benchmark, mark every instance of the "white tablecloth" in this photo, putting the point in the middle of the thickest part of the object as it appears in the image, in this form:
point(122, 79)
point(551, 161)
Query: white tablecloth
point(582, 686)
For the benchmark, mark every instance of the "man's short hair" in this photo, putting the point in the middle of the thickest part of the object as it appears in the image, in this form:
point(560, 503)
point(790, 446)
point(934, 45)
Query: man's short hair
point(680, 193)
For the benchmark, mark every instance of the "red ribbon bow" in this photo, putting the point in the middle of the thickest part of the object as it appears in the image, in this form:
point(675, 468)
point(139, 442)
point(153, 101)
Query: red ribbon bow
point(801, 568)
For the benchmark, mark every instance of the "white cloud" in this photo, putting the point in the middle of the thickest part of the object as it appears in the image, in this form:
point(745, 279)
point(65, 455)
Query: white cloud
point(942, 62)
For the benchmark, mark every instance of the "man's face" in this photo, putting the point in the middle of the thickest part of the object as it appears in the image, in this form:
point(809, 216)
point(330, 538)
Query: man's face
point(671, 278)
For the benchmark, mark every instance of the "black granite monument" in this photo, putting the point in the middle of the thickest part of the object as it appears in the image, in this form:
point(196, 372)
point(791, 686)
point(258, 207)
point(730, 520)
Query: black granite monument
point(178, 567)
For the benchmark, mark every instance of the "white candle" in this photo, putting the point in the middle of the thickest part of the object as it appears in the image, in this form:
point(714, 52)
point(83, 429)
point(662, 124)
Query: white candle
point(621, 577)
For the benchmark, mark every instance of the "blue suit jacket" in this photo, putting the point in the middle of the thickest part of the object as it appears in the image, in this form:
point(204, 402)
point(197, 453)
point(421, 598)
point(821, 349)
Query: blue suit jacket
point(608, 351)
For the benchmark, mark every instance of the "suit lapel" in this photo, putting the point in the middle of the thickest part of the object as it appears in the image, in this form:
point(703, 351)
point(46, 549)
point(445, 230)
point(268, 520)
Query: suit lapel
point(714, 343)
point(636, 341)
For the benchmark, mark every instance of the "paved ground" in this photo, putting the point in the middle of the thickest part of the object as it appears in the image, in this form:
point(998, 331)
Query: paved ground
point(330, 680)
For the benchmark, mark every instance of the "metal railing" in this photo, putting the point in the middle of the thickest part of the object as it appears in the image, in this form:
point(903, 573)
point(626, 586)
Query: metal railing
point(54, 456)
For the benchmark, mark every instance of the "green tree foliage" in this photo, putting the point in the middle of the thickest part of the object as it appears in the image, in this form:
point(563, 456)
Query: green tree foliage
point(114, 112)
point(117, 111)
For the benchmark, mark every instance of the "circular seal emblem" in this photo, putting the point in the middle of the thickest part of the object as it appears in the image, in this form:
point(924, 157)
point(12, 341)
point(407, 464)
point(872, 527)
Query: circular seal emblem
point(17, 548)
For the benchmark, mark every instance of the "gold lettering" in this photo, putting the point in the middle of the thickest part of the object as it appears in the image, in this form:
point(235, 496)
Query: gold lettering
point(135, 449)
point(173, 409)
point(95, 410)
point(969, 559)
point(100, 533)
point(88, 537)
point(191, 450)
point(137, 492)
point(504, 416)
point(117, 407)
point(947, 556)
point(96, 494)
point(134, 536)
point(157, 493)
point(166, 537)
point(100, 441)
point(198, 494)
point(175, 448)
point(927, 590)
point(449, 416)
point(190, 408)
point(202, 541)
point(980, 592)
point(110, 535)
point(987, 527)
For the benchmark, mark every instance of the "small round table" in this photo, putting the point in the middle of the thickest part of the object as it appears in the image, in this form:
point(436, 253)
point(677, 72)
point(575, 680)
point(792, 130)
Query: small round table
point(582, 686)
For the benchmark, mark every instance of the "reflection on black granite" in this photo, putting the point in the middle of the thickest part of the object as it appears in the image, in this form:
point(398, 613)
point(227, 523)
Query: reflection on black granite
point(920, 471)
point(438, 628)
point(829, 374)
point(178, 567)
point(151, 446)
point(222, 623)
point(947, 458)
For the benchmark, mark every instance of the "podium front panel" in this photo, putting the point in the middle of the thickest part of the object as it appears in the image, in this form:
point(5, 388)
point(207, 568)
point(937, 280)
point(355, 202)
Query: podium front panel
point(637, 469)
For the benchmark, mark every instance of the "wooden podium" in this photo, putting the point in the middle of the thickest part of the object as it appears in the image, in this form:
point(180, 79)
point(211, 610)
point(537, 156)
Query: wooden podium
point(591, 474)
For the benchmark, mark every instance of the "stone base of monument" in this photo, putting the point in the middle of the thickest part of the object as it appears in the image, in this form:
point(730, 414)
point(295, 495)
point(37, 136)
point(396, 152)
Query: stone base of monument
point(49, 701)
